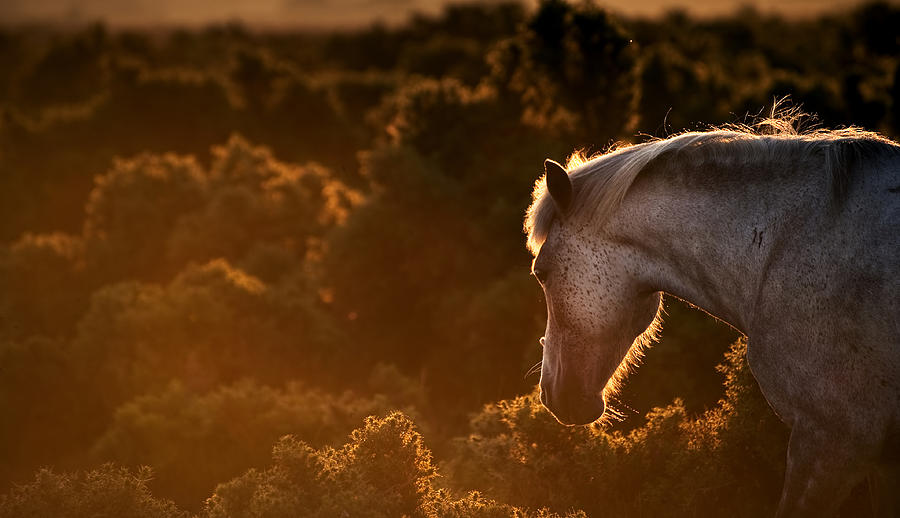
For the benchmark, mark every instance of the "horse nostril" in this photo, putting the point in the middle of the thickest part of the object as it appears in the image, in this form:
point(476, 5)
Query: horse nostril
point(542, 341)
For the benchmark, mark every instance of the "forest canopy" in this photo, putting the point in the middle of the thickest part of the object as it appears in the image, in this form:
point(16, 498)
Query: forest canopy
point(273, 273)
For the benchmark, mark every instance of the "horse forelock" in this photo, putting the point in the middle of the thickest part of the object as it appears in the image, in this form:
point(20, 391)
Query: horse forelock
point(601, 182)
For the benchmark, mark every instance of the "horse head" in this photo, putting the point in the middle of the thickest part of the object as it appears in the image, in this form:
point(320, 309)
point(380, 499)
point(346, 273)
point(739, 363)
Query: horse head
point(596, 307)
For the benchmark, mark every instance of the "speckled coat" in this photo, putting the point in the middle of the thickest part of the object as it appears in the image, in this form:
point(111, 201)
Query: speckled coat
point(792, 239)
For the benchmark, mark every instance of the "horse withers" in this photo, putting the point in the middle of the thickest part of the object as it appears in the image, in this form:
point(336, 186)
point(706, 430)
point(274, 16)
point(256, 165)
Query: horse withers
point(793, 239)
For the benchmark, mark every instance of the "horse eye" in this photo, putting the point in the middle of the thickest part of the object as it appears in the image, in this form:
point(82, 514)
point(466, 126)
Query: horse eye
point(541, 275)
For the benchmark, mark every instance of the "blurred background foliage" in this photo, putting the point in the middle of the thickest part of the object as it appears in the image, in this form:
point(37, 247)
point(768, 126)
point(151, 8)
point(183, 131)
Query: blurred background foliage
point(223, 243)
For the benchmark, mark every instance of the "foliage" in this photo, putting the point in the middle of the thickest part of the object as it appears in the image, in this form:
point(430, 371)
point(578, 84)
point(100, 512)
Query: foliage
point(574, 70)
point(190, 215)
point(385, 470)
point(674, 464)
point(106, 491)
point(220, 325)
point(149, 192)
point(182, 434)
point(42, 285)
point(212, 238)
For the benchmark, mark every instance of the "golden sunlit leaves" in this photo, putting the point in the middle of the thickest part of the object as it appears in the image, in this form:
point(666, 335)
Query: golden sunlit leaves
point(651, 469)
point(213, 238)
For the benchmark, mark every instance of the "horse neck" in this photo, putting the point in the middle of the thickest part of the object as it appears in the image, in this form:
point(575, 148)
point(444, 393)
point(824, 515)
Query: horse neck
point(709, 233)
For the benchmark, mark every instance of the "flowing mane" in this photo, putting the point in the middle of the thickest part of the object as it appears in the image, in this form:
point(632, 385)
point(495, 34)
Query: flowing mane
point(601, 182)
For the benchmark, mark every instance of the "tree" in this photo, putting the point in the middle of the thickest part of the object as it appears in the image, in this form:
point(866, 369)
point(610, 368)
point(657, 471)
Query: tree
point(574, 70)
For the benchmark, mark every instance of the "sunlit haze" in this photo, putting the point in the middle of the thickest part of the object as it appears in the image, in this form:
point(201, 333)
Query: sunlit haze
point(335, 13)
point(275, 257)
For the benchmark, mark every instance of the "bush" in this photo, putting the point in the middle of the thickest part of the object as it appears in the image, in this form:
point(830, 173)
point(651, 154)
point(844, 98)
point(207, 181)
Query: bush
point(372, 224)
point(182, 434)
point(574, 69)
point(211, 324)
point(246, 204)
point(108, 491)
point(149, 192)
point(472, 136)
point(385, 470)
point(259, 212)
point(42, 285)
point(672, 465)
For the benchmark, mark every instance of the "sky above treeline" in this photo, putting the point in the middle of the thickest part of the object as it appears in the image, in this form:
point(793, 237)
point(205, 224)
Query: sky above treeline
point(328, 14)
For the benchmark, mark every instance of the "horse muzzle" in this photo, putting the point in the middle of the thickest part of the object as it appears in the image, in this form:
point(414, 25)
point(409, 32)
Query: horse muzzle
point(572, 409)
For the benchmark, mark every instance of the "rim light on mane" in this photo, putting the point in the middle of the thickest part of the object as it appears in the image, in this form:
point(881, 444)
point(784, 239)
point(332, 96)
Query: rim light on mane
point(601, 182)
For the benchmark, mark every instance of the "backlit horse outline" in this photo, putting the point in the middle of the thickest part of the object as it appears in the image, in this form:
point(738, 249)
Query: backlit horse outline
point(792, 239)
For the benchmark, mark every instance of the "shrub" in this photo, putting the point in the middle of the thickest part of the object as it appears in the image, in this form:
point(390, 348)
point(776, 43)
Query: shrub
point(384, 471)
point(182, 434)
point(108, 491)
point(246, 203)
point(78, 57)
point(211, 324)
point(42, 285)
point(472, 136)
point(574, 70)
point(149, 192)
point(257, 206)
point(672, 465)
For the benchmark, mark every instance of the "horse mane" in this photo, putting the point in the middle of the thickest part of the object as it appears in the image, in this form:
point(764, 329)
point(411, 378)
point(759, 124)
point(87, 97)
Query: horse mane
point(600, 182)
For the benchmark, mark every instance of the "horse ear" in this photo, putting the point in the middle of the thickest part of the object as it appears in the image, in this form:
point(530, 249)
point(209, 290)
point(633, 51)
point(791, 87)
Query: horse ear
point(559, 185)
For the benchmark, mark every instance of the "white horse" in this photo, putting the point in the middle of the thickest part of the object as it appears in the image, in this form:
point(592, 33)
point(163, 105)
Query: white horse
point(792, 239)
